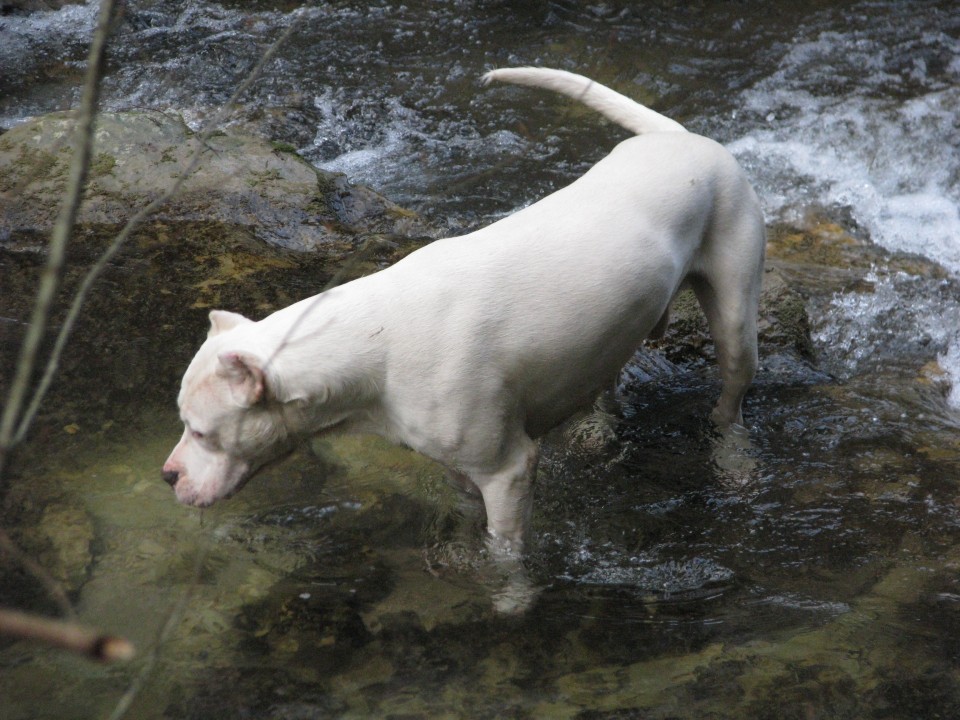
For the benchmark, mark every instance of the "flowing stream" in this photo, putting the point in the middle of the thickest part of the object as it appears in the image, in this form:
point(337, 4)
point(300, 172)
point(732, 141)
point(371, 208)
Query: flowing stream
point(818, 579)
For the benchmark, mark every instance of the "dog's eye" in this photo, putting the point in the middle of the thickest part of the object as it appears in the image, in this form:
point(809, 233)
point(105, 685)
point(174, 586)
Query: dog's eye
point(197, 435)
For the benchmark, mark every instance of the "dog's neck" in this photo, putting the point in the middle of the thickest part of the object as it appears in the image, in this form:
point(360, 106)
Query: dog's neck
point(327, 364)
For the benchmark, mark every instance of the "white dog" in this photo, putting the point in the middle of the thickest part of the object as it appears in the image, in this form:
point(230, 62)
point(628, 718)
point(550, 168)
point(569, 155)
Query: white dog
point(472, 347)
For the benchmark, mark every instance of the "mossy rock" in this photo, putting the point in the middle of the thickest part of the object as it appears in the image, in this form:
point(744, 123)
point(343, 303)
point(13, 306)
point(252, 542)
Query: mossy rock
point(825, 256)
point(61, 542)
point(240, 181)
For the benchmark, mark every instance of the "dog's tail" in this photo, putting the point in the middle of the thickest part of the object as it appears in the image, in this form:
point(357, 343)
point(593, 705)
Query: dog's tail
point(612, 105)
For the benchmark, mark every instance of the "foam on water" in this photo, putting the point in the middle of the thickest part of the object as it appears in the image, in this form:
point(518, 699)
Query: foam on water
point(360, 160)
point(902, 317)
point(891, 163)
point(867, 121)
point(71, 23)
point(377, 141)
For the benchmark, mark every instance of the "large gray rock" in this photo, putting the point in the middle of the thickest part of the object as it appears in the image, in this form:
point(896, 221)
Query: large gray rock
point(240, 181)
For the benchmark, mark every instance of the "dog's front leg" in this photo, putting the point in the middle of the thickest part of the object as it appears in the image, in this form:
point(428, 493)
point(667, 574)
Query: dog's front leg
point(508, 498)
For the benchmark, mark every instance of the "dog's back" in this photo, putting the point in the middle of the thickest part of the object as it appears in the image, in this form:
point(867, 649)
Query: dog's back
point(550, 302)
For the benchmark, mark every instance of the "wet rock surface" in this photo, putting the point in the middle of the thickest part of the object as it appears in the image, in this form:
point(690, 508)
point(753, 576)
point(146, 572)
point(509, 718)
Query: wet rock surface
point(240, 181)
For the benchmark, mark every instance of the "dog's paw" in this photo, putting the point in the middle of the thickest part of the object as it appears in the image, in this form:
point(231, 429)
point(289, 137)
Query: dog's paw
point(734, 457)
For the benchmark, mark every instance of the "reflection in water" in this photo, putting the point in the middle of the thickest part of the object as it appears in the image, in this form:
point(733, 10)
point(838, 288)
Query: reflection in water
point(734, 457)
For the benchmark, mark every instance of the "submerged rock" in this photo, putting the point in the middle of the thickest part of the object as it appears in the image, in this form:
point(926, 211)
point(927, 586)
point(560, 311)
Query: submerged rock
point(61, 542)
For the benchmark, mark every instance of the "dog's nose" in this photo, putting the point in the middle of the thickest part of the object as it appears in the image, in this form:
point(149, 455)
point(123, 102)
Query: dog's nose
point(170, 477)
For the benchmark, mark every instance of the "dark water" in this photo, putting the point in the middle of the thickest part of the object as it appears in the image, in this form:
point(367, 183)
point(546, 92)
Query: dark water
point(812, 574)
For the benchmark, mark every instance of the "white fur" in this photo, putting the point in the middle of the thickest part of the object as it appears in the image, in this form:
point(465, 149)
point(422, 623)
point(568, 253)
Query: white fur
point(472, 347)
point(620, 109)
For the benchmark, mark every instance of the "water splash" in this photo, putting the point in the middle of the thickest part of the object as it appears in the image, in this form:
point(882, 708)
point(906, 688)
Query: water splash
point(904, 316)
point(865, 122)
point(868, 149)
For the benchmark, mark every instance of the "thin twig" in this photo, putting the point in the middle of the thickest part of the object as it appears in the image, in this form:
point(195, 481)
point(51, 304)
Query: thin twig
point(69, 636)
point(50, 279)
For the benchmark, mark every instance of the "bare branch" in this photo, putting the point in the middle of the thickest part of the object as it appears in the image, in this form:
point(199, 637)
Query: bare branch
point(50, 279)
point(69, 636)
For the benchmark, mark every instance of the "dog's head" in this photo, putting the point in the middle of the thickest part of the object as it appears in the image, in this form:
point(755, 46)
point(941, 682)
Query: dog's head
point(233, 425)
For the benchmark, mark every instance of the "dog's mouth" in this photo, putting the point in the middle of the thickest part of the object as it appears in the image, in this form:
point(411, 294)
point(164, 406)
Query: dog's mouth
point(205, 502)
point(204, 490)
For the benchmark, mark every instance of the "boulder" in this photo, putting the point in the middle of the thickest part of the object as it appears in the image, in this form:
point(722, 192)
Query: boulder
point(241, 181)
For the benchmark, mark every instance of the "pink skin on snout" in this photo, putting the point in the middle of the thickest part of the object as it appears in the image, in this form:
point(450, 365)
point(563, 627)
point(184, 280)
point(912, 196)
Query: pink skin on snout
point(212, 475)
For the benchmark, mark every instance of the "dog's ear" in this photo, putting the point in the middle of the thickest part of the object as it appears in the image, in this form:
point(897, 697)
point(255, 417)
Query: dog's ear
point(223, 320)
point(244, 373)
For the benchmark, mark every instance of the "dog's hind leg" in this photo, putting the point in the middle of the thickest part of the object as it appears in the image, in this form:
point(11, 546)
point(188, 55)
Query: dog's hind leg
point(727, 280)
point(731, 311)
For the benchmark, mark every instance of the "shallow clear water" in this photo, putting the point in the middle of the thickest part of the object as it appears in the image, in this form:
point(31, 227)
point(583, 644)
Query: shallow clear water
point(809, 573)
